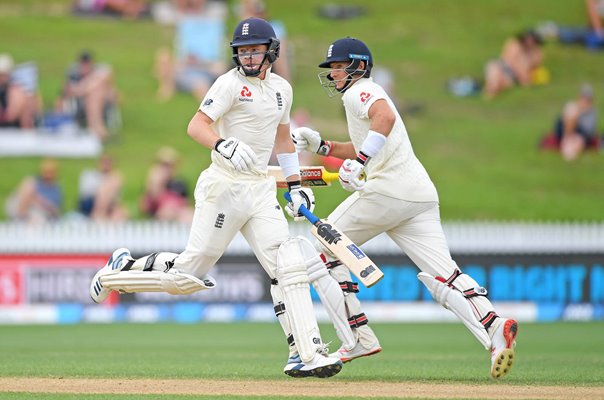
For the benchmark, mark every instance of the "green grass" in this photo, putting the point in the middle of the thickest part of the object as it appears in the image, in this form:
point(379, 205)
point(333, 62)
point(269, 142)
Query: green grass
point(481, 155)
point(573, 353)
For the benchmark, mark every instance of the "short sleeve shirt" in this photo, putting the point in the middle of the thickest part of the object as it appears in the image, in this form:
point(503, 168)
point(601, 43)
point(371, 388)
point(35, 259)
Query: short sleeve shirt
point(395, 171)
point(249, 109)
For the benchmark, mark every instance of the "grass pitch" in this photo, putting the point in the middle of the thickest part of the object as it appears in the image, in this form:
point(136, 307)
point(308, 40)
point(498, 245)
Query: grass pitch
point(557, 354)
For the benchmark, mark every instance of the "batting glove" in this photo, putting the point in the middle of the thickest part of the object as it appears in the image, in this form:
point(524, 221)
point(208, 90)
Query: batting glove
point(300, 196)
point(241, 156)
point(351, 175)
point(306, 139)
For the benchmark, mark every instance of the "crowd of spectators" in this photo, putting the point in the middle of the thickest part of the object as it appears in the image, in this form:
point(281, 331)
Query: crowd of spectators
point(88, 98)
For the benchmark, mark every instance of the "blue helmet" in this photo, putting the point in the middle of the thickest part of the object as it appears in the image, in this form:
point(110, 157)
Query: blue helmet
point(348, 50)
point(252, 31)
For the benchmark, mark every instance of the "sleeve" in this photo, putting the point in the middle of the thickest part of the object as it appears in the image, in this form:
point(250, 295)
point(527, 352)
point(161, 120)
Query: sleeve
point(288, 98)
point(365, 98)
point(359, 99)
point(218, 100)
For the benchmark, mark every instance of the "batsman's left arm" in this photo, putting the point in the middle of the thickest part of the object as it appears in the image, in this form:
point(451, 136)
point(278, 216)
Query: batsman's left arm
point(286, 153)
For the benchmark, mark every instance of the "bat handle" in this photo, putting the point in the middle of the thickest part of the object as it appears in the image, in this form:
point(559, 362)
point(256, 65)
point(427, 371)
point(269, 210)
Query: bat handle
point(303, 210)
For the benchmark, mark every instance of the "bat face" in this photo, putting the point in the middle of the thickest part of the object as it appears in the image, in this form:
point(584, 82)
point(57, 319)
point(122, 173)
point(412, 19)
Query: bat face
point(329, 233)
point(349, 253)
point(358, 253)
point(343, 248)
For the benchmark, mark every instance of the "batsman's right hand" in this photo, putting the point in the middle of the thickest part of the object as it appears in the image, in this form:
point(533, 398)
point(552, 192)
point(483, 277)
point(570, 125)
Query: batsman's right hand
point(299, 196)
point(241, 156)
point(306, 139)
point(351, 175)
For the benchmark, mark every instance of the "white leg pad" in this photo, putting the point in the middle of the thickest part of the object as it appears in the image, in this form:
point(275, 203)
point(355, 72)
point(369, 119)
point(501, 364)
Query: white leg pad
point(292, 278)
point(172, 282)
point(330, 293)
point(454, 301)
point(283, 317)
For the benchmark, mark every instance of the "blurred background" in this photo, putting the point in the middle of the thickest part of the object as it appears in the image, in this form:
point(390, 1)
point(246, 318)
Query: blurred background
point(501, 99)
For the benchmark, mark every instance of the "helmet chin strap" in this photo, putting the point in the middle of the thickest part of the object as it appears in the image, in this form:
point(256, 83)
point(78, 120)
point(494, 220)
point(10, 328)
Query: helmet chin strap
point(257, 72)
point(352, 70)
point(349, 81)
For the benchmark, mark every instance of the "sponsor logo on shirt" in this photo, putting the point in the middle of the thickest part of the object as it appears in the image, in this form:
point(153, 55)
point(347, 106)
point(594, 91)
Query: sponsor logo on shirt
point(245, 94)
point(365, 96)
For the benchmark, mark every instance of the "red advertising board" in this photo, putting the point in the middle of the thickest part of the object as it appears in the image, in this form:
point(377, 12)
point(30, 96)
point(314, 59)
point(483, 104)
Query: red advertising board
point(26, 279)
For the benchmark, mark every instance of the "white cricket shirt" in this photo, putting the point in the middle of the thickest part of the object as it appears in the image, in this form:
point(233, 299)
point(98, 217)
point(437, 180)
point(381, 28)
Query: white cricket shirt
point(395, 171)
point(249, 109)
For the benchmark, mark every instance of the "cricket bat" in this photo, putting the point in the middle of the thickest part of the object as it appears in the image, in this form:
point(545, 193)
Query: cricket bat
point(311, 176)
point(343, 248)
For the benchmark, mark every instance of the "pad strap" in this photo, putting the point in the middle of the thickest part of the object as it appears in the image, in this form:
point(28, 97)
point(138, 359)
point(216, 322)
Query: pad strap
point(473, 292)
point(150, 261)
point(279, 309)
point(128, 265)
point(488, 319)
point(358, 320)
point(349, 287)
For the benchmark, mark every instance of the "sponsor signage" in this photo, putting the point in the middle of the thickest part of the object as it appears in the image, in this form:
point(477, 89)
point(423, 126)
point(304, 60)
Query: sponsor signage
point(543, 279)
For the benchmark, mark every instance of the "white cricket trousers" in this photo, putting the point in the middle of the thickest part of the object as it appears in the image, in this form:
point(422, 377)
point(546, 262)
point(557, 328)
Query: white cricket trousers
point(414, 226)
point(226, 203)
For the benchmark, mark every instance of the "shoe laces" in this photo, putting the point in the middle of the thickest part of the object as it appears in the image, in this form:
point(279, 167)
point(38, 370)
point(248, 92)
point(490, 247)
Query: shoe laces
point(324, 349)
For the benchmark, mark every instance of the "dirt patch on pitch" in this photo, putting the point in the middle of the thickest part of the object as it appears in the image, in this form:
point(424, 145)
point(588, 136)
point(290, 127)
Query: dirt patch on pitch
point(304, 387)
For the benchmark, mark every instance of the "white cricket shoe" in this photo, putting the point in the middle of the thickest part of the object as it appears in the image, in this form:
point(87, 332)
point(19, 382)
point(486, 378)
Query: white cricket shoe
point(502, 348)
point(97, 292)
point(320, 367)
point(357, 351)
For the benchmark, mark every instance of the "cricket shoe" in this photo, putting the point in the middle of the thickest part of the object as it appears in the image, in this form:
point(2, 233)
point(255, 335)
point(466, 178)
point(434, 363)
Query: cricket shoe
point(502, 347)
point(320, 367)
point(97, 292)
point(356, 352)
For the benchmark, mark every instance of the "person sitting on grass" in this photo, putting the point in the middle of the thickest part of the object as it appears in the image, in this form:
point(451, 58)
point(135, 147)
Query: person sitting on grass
point(575, 129)
point(520, 60)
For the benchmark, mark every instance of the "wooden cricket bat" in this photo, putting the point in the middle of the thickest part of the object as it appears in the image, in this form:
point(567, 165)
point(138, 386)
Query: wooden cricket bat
point(311, 176)
point(343, 248)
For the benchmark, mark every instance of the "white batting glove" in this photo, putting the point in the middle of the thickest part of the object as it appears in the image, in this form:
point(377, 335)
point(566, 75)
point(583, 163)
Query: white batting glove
point(351, 175)
point(300, 196)
point(306, 139)
point(241, 156)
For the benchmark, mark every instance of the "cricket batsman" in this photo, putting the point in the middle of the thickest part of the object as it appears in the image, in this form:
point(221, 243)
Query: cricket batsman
point(398, 198)
point(245, 114)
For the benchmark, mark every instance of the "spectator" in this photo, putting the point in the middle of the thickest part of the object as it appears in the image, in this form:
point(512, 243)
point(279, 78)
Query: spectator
point(19, 105)
point(89, 93)
point(99, 192)
point(198, 56)
point(595, 13)
point(129, 9)
point(166, 197)
point(575, 130)
point(591, 35)
point(38, 199)
point(257, 9)
point(519, 64)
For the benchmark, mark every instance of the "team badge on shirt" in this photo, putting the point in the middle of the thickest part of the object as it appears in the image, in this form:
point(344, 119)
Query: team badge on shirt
point(279, 101)
point(219, 221)
point(245, 94)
